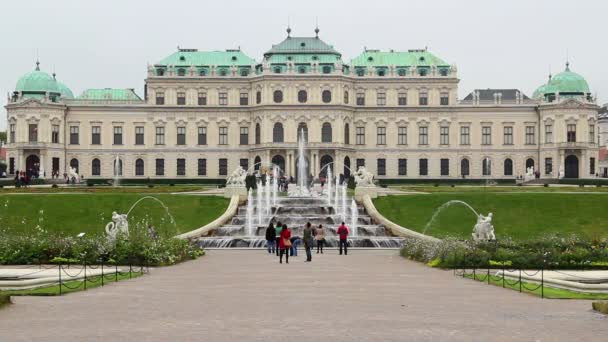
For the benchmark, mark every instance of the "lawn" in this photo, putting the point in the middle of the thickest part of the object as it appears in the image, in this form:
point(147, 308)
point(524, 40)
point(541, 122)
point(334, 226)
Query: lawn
point(519, 215)
point(73, 213)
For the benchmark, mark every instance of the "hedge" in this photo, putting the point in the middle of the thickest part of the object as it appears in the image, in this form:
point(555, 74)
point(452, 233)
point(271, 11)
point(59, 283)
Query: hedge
point(157, 181)
point(583, 181)
point(444, 181)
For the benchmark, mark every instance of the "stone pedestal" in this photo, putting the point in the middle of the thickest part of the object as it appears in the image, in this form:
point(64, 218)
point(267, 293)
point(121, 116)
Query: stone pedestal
point(240, 190)
point(361, 191)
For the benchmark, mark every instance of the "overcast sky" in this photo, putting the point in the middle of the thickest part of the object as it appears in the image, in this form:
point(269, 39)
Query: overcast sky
point(495, 44)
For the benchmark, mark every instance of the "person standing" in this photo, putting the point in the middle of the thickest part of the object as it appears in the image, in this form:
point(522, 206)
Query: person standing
point(320, 238)
point(343, 234)
point(271, 238)
point(284, 244)
point(308, 241)
point(277, 233)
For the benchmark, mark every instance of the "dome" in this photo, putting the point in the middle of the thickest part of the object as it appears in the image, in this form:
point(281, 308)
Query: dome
point(37, 82)
point(568, 82)
point(539, 92)
point(66, 93)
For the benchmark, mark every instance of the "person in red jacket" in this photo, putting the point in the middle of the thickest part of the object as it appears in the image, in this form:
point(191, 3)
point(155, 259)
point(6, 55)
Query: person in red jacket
point(285, 244)
point(343, 234)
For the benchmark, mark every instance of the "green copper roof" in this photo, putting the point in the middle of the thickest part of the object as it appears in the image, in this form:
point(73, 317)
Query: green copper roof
point(304, 58)
point(199, 58)
point(109, 94)
point(397, 58)
point(569, 82)
point(66, 93)
point(539, 92)
point(37, 82)
point(306, 45)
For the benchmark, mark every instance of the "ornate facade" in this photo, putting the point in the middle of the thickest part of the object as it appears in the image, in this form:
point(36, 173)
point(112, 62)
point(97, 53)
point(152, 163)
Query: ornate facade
point(397, 112)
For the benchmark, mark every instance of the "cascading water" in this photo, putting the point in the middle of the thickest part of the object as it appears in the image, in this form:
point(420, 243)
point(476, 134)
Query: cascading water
point(116, 171)
point(354, 218)
point(328, 185)
point(344, 208)
point(275, 184)
point(249, 221)
point(267, 192)
point(337, 196)
point(260, 206)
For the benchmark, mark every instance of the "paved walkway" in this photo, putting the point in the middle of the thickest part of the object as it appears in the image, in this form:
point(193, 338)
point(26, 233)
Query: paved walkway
point(248, 296)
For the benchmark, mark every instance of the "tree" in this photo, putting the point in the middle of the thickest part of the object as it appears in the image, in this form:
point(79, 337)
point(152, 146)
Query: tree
point(3, 136)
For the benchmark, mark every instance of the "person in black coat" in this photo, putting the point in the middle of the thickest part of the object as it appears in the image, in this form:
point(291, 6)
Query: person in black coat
point(271, 236)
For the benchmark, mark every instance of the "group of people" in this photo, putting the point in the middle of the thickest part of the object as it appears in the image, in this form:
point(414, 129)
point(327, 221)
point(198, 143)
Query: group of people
point(280, 241)
point(23, 178)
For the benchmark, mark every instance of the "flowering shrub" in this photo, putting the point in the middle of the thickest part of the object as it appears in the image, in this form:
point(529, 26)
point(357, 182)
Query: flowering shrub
point(550, 251)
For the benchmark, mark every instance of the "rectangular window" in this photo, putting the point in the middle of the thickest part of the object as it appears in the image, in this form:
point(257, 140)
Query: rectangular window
point(160, 167)
point(202, 99)
point(592, 166)
point(96, 135)
point(244, 163)
point(160, 98)
point(55, 165)
point(423, 167)
point(444, 135)
point(223, 136)
point(508, 135)
point(55, 134)
point(223, 99)
point(423, 98)
point(381, 99)
point(360, 136)
point(160, 136)
point(465, 135)
point(117, 135)
point(445, 167)
point(381, 167)
point(12, 137)
point(548, 134)
point(360, 99)
point(202, 135)
point(11, 165)
point(223, 167)
point(530, 135)
point(486, 135)
point(360, 162)
point(592, 134)
point(381, 137)
point(33, 132)
point(548, 166)
point(202, 167)
point(181, 167)
point(74, 135)
point(244, 136)
point(444, 99)
point(181, 98)
point(402, 99)
point(423, 135)
point(571, 133)
point(181, 135)
point(139, 135)
point(402, 135)
point(402, 167)
point(244, 99)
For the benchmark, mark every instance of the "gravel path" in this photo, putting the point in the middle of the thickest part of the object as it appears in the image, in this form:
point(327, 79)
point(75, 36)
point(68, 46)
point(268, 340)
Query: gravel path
point(243, 295)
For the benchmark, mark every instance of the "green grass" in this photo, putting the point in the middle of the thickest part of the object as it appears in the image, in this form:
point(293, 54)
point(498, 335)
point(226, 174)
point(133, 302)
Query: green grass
point(4, 300)
point(72, 286)
point(71, 214)
point(519, 215)
point(533, 289)
point(492, 189)
point(106, 189)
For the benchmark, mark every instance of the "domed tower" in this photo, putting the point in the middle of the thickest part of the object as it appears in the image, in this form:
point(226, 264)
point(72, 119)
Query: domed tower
point(568, 126)
point(36, 119)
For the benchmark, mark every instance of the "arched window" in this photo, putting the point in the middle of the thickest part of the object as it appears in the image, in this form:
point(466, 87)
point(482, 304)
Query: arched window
point(95, 167)
point(277, 133)
point(422, 72)
point(302, 130)
point(326, 96)
point(346, 134)
point(401, 72)
point(258, 97)
point(117, 168)
point(203, 72)
point(277, 96)
point(257, 163)
point(223, 72)
point(139, 167)
point(326, 133)
point(360, 72)
point(346, 97)
point(486, 167)
point(181, 72)
point(74, 164)
point(302, 96)
point(160, 72)
point(464, 167)
point(258, 134)
point(302, 70)
point(529, 163)
point(279, 161)
point(346, 167)
point(326, 69)
point(325, 160)
point(508, 167)
point(277, 70)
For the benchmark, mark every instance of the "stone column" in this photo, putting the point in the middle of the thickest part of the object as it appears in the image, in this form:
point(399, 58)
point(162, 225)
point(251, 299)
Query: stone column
point(43, 169)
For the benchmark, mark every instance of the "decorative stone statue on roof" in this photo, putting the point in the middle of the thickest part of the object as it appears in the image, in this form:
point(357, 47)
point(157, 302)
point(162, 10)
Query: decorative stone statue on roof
point(119, 224)
point(363, 177)
point(237, 177)
point(484, 230)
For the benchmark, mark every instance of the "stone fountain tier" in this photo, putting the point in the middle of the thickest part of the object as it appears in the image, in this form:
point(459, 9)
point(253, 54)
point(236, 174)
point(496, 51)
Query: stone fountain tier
point(260, 242)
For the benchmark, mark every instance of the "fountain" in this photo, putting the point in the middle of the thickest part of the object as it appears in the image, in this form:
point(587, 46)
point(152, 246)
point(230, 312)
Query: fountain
point(250, 223)
point(116, 171)
point(260, 190)
point(337, 196)
point(483, 229)
point(343, 198)
point(328, 185)
point(267, 192)
point(275, 184)
point(120, 223)
point(301, 189)
point(354, 218)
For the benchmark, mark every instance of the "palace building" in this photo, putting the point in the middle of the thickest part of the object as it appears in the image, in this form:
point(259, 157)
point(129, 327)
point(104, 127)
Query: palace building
point(398, 113)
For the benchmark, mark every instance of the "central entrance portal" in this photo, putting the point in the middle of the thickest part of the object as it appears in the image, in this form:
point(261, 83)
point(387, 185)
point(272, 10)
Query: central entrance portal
point(571, 167)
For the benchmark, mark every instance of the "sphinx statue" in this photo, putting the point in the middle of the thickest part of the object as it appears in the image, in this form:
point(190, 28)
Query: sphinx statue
point(363, 177)
point(237, 177)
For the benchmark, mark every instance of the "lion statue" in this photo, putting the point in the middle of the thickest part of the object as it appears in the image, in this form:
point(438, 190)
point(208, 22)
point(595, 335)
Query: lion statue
point(363, 177)
point(237, 177)
point(119, 224)
point(484, 230)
